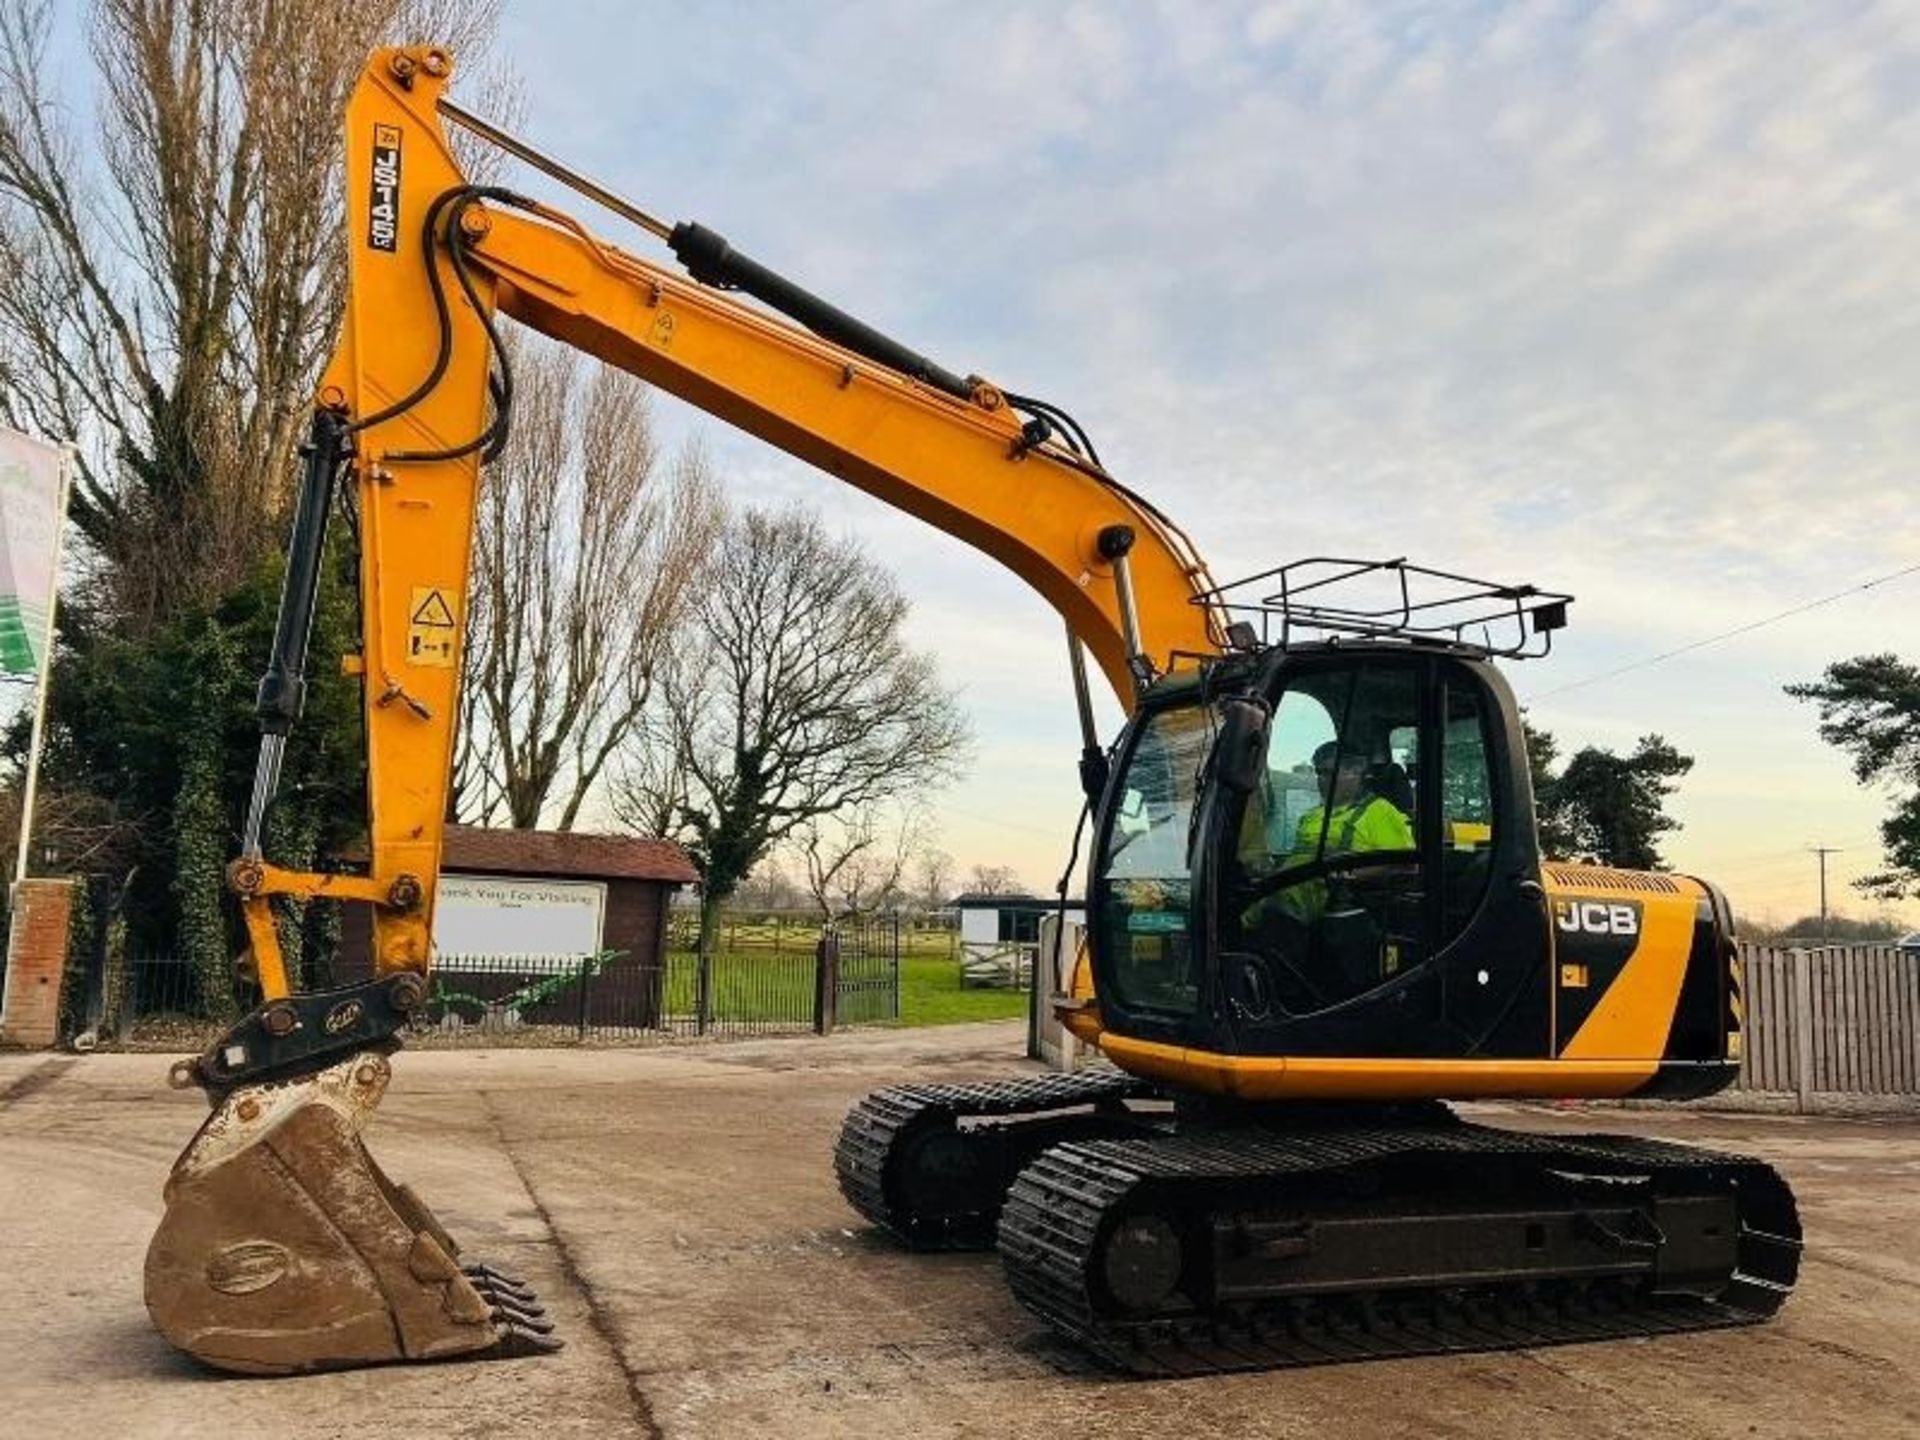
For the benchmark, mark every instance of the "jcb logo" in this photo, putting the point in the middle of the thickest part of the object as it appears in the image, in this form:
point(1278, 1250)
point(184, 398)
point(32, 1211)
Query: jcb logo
point(1590, 917)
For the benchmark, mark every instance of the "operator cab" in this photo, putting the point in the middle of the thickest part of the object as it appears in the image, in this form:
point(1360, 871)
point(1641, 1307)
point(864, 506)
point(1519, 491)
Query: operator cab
point(1326, 848)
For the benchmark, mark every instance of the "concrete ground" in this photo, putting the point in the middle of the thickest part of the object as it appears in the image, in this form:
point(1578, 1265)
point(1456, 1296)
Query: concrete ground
point(676, 1210)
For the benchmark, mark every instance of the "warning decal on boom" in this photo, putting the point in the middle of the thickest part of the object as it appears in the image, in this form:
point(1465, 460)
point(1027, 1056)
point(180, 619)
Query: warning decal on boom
point(431, 628)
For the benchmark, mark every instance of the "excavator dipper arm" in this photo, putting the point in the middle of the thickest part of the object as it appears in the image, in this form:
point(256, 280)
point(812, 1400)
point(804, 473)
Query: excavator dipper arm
point(284, 1246)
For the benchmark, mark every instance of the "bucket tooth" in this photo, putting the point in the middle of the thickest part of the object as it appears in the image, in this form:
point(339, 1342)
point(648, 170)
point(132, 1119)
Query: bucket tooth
point(498, 1281)
point(284, 1247)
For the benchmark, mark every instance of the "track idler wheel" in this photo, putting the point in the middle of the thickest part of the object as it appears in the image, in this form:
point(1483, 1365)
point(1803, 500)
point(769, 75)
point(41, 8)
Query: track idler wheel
point(285, 1247)
point(1143, 1262)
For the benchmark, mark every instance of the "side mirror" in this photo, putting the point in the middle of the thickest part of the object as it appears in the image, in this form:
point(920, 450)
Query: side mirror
point(1093, 774)
point(1240, 754)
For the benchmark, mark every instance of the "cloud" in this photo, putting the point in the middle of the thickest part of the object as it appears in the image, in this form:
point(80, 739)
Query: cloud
point(1617, 297)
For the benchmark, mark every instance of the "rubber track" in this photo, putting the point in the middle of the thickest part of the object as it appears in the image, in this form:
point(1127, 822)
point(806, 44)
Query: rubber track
point(880, 1122)
point(1052, 1223)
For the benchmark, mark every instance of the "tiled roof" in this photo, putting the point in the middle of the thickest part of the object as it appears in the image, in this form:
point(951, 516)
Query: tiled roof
point(471, 848)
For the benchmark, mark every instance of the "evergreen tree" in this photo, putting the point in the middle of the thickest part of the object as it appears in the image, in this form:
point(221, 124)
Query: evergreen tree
point(1605, 808)
point(1556, 841)
point(1870, 708)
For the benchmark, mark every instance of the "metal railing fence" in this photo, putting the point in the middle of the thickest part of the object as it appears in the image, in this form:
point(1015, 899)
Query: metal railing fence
point(165, 1003)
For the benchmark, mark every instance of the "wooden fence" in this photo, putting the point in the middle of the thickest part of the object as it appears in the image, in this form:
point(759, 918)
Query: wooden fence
point(1839, 1020)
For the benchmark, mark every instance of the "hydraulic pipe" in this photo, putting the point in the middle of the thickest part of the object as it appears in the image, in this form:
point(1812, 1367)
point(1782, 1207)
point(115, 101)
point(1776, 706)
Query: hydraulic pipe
point(1114, 542)
point(547, 165)
point(712, 261)
point(1093, 760)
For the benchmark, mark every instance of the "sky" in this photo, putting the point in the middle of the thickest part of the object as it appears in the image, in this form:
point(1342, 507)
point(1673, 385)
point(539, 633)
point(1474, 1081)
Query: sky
point(1612, 298)
point(1615, 299)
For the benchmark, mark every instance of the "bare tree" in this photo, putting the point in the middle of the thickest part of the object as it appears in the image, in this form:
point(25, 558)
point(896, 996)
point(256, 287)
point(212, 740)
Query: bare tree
point(769, 888)
point(650, 784)
point(73, 833)
point(586, 552)
point(855, 864)
point(172, 312)
point(802, 701)
point(933, 878)
point(994, 880)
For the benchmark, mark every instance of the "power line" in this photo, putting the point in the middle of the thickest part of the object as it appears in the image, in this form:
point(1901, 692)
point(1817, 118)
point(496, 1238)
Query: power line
point(1765, 872)
point(1750, 626)
point(1002, 822)
point(1781, 857)
point(1853, 842)
point(1786, 870)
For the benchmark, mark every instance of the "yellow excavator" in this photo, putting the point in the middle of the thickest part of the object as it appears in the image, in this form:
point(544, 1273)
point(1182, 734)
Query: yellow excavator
point(1316, 910)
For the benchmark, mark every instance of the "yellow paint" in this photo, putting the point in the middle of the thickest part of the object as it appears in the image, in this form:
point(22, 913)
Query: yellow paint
point(1635, 1014)
point(1081, 1013)
point(416, 516)
point(302, 885)
point(263, 938)
point(1279, 1077)
point(949, 462)
point(954, 463)
point(1469, 834)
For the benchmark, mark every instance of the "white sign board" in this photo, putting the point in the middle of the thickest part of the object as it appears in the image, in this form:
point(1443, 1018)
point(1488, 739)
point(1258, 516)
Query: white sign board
point(497, 915)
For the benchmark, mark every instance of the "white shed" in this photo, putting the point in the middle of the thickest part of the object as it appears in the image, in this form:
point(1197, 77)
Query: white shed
point(1000, 935)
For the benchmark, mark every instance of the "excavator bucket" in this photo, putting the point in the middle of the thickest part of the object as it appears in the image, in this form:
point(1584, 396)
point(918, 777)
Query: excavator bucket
point(286, 1248)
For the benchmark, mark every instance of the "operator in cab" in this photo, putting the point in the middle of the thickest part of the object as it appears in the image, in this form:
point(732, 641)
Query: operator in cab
point(1353, 817)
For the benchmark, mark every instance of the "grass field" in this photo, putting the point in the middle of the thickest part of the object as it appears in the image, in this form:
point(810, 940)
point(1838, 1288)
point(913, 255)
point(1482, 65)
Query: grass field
point(930, 994)
point(755, 985)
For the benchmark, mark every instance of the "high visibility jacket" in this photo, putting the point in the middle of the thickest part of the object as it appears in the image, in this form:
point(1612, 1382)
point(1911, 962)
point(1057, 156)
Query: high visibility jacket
point(1372, 823)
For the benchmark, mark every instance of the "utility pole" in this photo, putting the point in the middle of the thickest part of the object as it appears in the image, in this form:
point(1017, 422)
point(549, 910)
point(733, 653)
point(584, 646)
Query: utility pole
point(1823, 851)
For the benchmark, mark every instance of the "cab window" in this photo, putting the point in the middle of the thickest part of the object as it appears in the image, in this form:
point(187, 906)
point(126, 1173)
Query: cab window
point(1466, 787)
point(1146, 869)
point(1327, 887)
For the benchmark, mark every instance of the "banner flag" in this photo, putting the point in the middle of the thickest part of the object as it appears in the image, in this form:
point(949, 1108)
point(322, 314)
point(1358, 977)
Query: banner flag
point(30, 498)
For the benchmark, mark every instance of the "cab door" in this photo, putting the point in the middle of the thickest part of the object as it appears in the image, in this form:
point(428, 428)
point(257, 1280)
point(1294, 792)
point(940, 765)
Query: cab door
point(1363, 903)
point(1496, 955)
